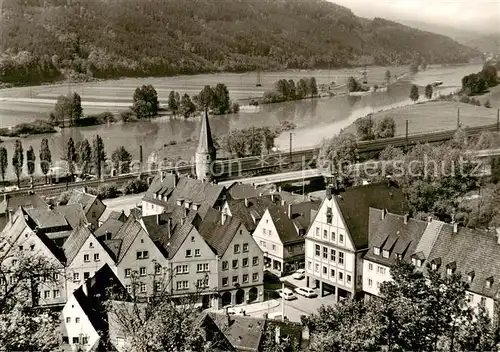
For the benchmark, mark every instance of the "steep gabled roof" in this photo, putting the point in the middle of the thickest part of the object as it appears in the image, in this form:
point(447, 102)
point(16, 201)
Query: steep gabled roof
point(252, 208)
point(218, 235)
point(26, 200)
point(73, 213)
point(47, 219)
point(127, 234)
point(111, 226)
point(392, 234)
point(161, 186)
point(470, 251)
point(83, 198)
point(74, 242)
point(354, 204)
point(117, 215)
point(242, 190)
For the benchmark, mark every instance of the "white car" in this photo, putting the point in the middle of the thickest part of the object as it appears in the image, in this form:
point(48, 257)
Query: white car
point(299, 274)
point(286, 294)
point(306, 292)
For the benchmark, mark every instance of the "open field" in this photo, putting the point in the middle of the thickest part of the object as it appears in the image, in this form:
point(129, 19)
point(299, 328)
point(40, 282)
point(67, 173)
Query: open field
point(493, 95)
point(434, 116)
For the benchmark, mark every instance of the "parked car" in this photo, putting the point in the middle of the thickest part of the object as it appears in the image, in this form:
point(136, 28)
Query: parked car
point(287, 294)
point(299, 274)
point(306, 292)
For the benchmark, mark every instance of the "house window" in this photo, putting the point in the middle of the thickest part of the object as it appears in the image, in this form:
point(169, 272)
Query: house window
point(142, 255)
point(245, 247)
point(341, 258)
point(385, 253)
point(316, 267)
point(197, 252)
point(317, 231)
point(68, 320)
point(470, 297)
point(143, 287)
point(200, 283)
point(75, 340)
point(182, 285)
point(192, 238)
point(245, 262)
point(255, 277)
point(274, 247)
point(157, 286)
point(255, 261)
point(341, 276)
point(32, 247)
point(317, 251)
point(20, 248)
point(264, 231)
point(376, 250)
point(225, 265)
point(245, 278)
point(93, 214)
point(91, 245)
point(76, 276)
point(157, 269)
point(449, 271)
point(370, 282)
point(129, 288)
point(488, 283)
point(225, 281)
point(128, 272)
point(325, 252)
point(236, 248)
point(370, 266)
point(341, 238)
point(142, 271)
point(309, 265)
point(202, 267)
point(290, 249)
point(348, 279)
point(332, 255)
point(188, 253)
point(56, 276)
point(263, 244)
point(56, 294)
point(325, 234)
point(333, 236)
point(381, 270)
point(46, 294)
point(235, 280)
point(86, 258)
point(86, 275)
point(483, 301)
point(14, 262)
point(332, 273)
point(329, 215)
point(325, 270)
point(85, 340)
point(235, 263)
point(77, 320)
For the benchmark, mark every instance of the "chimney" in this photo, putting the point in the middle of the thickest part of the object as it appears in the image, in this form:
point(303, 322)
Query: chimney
point(383, 214)
point(255, 186)
point(329, 192)
point(455, 227)
point(169, 224)
point(406, 219)
point(272, 197)
point(223, 218)
point(108, 235)
point(279, 189)
point(261, 194)
point(161, 176)
point(289, 211)
point(283, 202)
point(183, 220)
point(429, 219)
point(176, 179)
point(246, 202)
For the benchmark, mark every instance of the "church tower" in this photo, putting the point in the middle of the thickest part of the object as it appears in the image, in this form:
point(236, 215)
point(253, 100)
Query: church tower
point(205, 154)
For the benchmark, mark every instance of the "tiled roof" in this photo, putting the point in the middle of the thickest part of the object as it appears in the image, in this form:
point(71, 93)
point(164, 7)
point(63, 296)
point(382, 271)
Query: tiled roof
point(355, 203)
point(471, 251)
point(243, 333)
point(178, 238)
point(254, 206)
point(242, 190)
point(218, 235)
point(117, 215)
point(47, 219)
point(85, 199)
point(27, 201)
point(428, 239)
point(186, 189)
point(127, 234)
point(392, 234)
point(113, 247)
point(73, 213)
point(74, 243)
point(111, 225)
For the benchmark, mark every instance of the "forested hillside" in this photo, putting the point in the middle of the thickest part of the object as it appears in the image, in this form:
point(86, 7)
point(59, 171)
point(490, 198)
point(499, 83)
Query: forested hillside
point(43, 40)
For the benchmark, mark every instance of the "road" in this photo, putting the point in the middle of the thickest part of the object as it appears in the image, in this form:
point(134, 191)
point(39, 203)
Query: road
point(124, 203)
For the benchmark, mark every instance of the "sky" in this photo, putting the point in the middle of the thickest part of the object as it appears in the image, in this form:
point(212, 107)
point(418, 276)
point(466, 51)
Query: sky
point(474, 15)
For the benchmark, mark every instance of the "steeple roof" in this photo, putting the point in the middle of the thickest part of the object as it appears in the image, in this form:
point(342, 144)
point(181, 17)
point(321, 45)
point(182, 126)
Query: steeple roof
point(206, 144)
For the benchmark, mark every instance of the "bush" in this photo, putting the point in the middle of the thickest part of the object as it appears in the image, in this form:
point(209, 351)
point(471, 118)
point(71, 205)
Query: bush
point(126, 116)
point(487, 104)
point(465, 99)
point(235, 108)
point(134, 186)
point(104, 191)
point(64, 198)
point(35, 127)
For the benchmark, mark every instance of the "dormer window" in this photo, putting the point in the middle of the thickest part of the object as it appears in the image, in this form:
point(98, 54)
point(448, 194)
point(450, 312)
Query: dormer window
point(179, 202)
point(376, 250)
point(416, 262)
point(435, 264)
point(470, 276)
point(385, 253)
point(450, 268)
point(154, 195)
point(489, 282)
point(399, 256)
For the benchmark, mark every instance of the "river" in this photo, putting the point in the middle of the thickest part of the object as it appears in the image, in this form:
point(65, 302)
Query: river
point(315, 118)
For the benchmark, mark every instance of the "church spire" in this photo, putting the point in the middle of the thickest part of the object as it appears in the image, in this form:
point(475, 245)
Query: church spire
point(205, 154)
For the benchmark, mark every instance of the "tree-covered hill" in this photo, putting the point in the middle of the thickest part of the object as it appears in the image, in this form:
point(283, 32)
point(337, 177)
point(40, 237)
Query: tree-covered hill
point(42, 40)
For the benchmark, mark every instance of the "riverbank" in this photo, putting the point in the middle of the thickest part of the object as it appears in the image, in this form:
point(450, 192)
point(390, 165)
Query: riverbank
point(432, 116)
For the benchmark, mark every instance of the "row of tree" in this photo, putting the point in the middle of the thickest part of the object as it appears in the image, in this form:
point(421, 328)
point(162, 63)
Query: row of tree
point(252, 141)
point(81, 154)
point(477, 83)
point(415, 95)
point(413, 312)
point(287, 90)
point(367, 129)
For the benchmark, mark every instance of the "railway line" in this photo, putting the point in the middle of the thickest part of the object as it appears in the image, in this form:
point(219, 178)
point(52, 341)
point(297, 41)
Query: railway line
point(233, 169)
